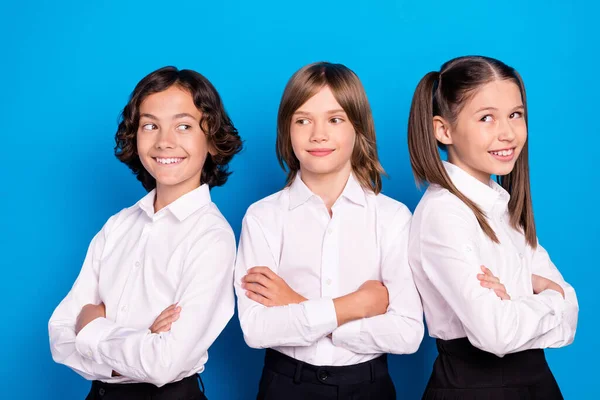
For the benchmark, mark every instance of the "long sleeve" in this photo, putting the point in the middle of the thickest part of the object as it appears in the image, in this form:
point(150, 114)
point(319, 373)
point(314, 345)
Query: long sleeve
point(291, 325)
point(207, 301)
point(400, 329)
point(563, 334)
point(451, 261)
point(61, 327)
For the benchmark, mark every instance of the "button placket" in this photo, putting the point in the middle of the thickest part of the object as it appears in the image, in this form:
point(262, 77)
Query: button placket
point(136, 264)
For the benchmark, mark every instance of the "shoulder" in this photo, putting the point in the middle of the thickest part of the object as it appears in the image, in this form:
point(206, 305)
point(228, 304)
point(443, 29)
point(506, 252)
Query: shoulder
point(441, 212)
point(269, 210)
point(389, 209)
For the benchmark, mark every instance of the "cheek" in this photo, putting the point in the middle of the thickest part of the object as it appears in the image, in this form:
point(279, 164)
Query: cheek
point(296, 139)
point(522, 133)
point(142, 144)
point(347, 139)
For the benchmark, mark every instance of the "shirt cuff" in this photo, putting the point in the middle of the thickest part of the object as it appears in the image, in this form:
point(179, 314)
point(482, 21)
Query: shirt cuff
point(102, 371)
point(321, 315)
point(346, 332)
point(554, 300)
point(88, 339)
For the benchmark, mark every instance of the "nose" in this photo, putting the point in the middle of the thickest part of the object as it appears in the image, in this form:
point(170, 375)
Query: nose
point(165, 139)
point(319, 132)
point(506, 131)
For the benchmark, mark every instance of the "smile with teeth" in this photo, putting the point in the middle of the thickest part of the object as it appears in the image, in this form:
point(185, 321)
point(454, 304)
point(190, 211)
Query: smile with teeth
point(168, 161)
point(503, 153)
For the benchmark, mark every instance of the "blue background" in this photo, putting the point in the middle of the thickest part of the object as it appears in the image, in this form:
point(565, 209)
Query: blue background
point(68, 67)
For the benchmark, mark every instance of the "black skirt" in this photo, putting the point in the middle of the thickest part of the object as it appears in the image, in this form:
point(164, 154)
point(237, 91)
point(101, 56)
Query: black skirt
point(464, 372)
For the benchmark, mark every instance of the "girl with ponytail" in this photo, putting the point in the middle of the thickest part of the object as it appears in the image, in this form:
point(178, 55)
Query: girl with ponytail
point(492, 297)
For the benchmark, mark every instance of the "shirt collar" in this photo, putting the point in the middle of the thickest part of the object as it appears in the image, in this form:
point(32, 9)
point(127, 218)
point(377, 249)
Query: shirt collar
point(485, 196)
point(181, 208)
point(300, 193)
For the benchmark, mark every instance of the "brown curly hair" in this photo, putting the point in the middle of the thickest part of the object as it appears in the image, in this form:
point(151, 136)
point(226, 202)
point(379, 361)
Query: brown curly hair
point(215, 123)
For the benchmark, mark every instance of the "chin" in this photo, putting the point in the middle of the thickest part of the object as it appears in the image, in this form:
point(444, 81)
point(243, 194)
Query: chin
point(503, 171)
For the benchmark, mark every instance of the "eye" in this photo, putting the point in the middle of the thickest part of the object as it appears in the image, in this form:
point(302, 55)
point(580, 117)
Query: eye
point(184, 127)
point(516, 114)
point(302, 121)
point(486, 118)
point(336, 120)
point(149, 127)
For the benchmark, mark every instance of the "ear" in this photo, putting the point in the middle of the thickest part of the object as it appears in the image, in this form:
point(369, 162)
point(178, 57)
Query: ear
point(441, 130)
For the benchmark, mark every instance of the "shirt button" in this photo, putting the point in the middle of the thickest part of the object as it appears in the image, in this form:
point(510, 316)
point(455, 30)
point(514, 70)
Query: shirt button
point(329, 231)
point(137, 264)
point(521, 255)
point(322, 375)
point(328, 281)
point(89, 353)
point(124, 308)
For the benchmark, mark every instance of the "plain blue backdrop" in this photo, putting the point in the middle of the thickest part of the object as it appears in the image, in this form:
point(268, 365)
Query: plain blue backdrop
point(67, 69)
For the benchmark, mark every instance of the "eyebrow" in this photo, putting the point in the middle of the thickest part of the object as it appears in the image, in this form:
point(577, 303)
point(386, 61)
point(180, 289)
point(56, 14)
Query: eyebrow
point(337, 111)
point(183, 115)
point(520, 106)
point(176, 116)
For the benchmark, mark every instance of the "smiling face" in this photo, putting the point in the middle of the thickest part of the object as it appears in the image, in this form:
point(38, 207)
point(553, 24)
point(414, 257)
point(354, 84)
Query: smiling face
point(170, 143)
point(489, 133)
point(322, 136)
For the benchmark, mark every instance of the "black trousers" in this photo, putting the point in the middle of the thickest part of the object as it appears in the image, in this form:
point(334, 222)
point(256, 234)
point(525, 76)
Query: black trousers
point(462, 371)
point(185, 389)
point(285, 378)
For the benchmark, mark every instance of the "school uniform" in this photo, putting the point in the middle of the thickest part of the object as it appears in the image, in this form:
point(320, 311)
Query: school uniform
point(488, 348)
point(322, 258)
point(140, 263)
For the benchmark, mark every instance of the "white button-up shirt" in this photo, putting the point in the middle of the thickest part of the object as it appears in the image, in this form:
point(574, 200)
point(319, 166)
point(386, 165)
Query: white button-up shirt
point(137, 265)
point(323, 258)
point(447, 248)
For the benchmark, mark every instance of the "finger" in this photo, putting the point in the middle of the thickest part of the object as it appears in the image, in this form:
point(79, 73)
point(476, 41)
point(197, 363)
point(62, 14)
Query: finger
point(258, 278)
point(172, 306)
point(488, 278)
point(164, 328)
point(486, 270)
point(165, 315)
point(502, 295)
point(493, 286)
point(165, 322)
point(266, 271)
point(258, 298)
point(258, 289)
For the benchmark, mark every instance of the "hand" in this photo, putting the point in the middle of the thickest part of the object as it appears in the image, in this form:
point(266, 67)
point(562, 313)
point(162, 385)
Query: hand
point(163, 322)
point(374, 298)
point(88, 313)
point(267, 288)
point(488, 280)
point(369, 300)
point(540, 284)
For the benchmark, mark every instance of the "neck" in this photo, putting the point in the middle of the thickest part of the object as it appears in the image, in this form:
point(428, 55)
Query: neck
point(328, 186)
point(481, 176)
point(165, 195)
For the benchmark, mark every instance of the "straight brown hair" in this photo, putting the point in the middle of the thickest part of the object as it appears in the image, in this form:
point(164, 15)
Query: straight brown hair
point(350, 94)
point(444, 94)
